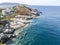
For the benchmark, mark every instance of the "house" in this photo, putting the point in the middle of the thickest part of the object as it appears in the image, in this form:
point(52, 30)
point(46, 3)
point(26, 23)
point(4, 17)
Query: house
point(7, 11)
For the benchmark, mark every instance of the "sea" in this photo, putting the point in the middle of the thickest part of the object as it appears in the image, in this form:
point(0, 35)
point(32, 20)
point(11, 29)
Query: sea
point(44, 30)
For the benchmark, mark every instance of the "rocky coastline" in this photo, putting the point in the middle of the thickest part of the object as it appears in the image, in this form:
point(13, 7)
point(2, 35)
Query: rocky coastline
point(12, 19)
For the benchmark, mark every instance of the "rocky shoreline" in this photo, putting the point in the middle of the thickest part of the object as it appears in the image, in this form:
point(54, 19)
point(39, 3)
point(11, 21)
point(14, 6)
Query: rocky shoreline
point(13, 19)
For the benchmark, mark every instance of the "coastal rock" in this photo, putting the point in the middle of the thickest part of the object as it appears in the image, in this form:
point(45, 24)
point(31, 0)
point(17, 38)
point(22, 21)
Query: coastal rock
point(4, 38)
point(13, 36)
point(35, 12)
point(28, 18)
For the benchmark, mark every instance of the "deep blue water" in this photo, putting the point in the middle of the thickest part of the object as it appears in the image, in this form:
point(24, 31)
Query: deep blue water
point(44, 30)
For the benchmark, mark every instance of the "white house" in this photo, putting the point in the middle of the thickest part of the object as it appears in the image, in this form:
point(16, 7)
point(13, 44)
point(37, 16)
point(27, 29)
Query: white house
point(7, 11)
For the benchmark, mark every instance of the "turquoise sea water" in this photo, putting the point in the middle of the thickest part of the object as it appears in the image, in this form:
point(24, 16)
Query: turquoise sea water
point(44, 30)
